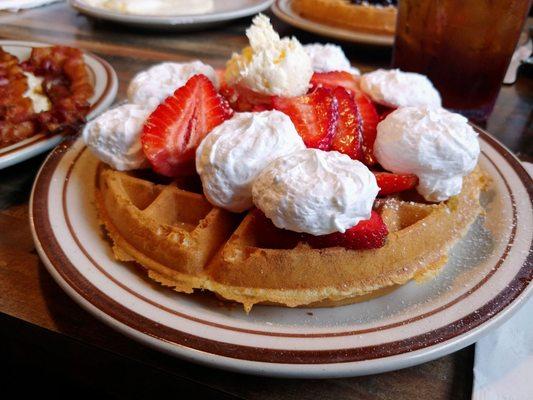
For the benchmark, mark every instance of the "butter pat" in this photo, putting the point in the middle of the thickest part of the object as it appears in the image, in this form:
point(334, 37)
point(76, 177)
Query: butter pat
point(270, 65)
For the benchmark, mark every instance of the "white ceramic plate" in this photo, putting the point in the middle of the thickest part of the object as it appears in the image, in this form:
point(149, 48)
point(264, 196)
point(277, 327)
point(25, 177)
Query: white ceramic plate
point(489, 274)
point(223, 11)
point(283, 10)
point(105, 84)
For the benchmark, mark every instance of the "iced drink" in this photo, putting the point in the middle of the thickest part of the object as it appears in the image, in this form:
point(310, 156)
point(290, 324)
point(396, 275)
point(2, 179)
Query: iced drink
point(463, 46)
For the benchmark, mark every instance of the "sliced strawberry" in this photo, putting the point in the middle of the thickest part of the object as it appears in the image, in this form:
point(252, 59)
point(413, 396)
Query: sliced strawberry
point(383, 111)
point(366, 107)
point(348, 136)
point(242, 99)
point(315, 116)
point(271, 237)
point(370, 119)
point(335, 78)
point(221, 75)
point(368, 234)
point(229, 93)
point(390, 183)
point(174, 130)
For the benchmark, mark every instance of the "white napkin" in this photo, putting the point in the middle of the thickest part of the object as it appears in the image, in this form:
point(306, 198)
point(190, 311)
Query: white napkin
point(16, 5)
point(503, 366)
point(520, 55)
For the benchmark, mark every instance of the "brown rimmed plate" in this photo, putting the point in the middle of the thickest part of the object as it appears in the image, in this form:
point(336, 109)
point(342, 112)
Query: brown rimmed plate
point(486, 279)
point(105, 83)
point(283, 10)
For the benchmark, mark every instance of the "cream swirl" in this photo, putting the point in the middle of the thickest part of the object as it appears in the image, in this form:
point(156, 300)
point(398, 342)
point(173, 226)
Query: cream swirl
point(329, 57)
point(395, 88)
point(315, 191)
point(114, 137)
point(230, 157)
point(150, 87)
point(438, 146)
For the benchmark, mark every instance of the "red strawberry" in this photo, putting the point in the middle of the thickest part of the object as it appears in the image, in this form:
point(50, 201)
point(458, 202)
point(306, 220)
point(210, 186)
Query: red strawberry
point(367, 234)
point(314, 115)
point(383, 111)
point(366, 107)
point(221, 75)
point(229, 93)
point(243, 99)
point(390, 183)
point(335, 78)
point(370, 119)
point(174, 130)
point(347, 139)
point(270, 236)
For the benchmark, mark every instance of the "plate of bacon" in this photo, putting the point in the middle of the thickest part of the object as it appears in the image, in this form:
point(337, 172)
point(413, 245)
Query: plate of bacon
point(46, 93)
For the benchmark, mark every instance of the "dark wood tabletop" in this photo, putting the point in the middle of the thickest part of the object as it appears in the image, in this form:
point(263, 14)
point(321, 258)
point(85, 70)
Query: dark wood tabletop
point(48, 342)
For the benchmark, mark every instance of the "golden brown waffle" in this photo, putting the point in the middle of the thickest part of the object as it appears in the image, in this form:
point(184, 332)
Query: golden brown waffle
point(186, 243)
point(342, 13)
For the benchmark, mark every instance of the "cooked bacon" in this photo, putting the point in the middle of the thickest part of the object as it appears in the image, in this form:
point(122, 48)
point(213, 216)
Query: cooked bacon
point(16, 112)
point(66, 83)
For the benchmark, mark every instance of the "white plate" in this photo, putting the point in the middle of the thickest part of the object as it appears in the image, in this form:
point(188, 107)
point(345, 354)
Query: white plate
point(283, 10)
point(488, 276)
point(223, 11)
point(104, 80)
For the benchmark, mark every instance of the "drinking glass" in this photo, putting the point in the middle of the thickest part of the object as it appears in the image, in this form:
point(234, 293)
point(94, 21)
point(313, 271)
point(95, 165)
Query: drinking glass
point(462, 46)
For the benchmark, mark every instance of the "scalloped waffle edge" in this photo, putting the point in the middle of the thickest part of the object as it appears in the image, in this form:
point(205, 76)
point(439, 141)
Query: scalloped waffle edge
point(185, 243)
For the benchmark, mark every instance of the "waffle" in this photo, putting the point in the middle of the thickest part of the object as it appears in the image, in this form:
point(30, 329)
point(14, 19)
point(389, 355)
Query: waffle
point(341, 13)
point(186, 243)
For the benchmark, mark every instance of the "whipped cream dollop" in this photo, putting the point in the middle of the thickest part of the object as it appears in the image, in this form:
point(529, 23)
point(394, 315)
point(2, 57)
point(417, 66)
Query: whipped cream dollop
point(114, 137)
point(232, 155)
point(155, 7)
point(395, 88)
point(149, 88)
point(329, 57)
point(270, 66)
point(438, 146)
point(315, 191)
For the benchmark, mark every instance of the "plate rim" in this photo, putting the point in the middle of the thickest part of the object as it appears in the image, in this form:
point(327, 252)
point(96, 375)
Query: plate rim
point(165, 21)
point(280, 7)
point(36, 144)
point(278, 368)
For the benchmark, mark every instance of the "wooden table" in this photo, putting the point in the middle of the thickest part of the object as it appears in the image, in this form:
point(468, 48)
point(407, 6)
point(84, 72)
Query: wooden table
point(47, 341)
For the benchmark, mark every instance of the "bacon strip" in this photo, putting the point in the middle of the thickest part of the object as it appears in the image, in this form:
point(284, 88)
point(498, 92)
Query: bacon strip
point(16, 112)
point(66, 84)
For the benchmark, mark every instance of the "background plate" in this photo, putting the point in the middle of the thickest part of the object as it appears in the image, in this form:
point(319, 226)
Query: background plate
point(105, 84)
point(282, 9)
point(224, 11)
point(488, 275)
